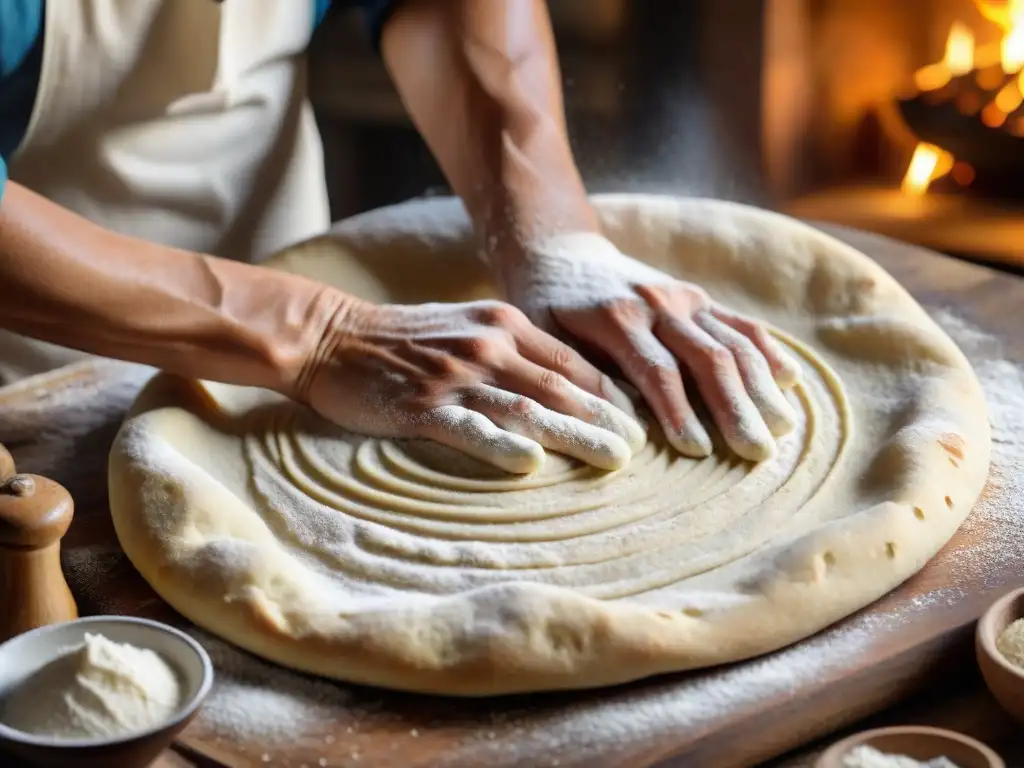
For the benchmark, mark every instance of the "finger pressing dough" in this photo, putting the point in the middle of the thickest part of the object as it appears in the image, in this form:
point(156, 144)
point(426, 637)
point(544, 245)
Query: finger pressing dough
point(412, 566)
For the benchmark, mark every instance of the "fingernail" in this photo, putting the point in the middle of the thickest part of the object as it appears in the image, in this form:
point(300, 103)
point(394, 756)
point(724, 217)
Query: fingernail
point(692, 440)
point(754, 451)
point(780, 416)
point(752, 440)
point(623, 427)
point(789, 374)
point(520, 455)
point(611, 454)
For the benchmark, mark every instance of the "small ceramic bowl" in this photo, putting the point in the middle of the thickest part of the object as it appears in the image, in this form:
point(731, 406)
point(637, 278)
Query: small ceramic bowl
point(1005, 681)
point(26, 654)
point(918, 742)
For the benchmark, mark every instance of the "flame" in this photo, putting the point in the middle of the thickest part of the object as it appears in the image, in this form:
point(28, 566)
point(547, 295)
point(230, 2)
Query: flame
point(1003, 13)
point(1012, 50)
point(959, 58)
point(1009, 97)
point(927, 164)
point(990, 65)
point(1009, 15)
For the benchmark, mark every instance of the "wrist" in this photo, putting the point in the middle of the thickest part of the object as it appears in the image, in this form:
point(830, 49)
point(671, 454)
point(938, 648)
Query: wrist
point(518, 261)
point(261, 325)
point(70, 282)
point(292, 326)
point(509, 231)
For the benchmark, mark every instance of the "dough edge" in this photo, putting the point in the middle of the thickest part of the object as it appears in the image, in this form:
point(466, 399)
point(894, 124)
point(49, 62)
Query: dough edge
point(522, 637)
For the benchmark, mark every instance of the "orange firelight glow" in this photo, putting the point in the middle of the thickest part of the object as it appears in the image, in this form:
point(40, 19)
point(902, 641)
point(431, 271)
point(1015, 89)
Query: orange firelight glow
point(989, 94)
point(927, 164)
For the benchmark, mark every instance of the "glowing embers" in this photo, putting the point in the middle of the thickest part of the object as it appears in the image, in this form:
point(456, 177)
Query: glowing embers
point(967, 111)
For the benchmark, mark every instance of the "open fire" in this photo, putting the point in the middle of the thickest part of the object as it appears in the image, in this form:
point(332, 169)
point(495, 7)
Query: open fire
point(967, 109)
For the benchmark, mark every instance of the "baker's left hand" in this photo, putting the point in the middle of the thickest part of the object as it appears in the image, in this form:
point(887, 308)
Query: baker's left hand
point(657, 330)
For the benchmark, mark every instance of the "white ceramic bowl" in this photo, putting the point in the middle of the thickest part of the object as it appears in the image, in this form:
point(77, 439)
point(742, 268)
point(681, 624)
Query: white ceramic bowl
point(24, 655)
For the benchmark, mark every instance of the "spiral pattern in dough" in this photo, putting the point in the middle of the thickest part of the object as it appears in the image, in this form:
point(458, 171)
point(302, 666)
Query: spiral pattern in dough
point(386, 515)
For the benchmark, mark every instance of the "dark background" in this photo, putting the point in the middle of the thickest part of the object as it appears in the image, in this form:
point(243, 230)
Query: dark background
point(638, 79)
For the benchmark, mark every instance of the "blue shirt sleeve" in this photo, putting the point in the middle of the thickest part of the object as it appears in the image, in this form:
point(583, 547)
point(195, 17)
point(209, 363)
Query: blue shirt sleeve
point(320, 8)
point(375, 14)
point(21, 59)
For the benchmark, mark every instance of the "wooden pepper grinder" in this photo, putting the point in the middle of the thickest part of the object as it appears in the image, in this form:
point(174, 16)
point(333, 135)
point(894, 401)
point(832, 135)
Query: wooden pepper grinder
point(34, 514)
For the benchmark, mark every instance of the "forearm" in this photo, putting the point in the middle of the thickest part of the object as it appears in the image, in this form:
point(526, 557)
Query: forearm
point(70, 282)
point(480, 79)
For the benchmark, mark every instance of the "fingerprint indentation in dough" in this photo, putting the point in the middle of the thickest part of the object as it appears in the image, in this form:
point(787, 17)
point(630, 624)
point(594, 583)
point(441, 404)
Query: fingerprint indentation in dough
point(414, 516)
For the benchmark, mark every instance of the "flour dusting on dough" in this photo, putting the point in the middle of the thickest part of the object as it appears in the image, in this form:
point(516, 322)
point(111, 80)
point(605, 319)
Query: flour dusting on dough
point(509, 736)
point(1001, 507)
point(379, 561)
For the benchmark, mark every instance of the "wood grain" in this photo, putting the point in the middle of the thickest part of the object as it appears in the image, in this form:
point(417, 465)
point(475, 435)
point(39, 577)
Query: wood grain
point(735, 716)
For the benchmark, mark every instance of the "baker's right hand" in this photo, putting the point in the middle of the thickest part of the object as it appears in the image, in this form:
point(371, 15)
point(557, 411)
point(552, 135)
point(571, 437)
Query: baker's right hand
point(477, 376)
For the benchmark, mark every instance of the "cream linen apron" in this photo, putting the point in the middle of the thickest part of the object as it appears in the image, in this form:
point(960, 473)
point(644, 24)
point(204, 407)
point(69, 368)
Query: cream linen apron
point(184, 122)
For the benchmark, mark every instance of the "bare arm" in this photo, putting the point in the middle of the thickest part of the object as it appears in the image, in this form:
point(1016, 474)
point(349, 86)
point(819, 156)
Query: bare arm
point(481, 80)
point(482, 84)
point(70, 282)
point(381, 370)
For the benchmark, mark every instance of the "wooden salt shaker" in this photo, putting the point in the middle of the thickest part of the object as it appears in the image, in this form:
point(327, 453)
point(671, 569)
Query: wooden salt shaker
point(34, 515)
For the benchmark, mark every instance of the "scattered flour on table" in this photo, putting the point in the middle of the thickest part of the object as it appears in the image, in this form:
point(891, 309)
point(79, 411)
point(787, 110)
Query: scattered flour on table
point(253, 700)
point(90, 570)
point(583, 733)
point(1001, 507)
point(256, 699)
point(599, 727)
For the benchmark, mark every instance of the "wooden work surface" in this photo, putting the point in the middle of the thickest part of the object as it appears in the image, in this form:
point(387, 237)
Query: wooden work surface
point(742, 715)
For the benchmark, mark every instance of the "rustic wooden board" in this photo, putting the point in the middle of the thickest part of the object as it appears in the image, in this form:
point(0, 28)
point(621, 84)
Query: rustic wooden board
point(734, 716)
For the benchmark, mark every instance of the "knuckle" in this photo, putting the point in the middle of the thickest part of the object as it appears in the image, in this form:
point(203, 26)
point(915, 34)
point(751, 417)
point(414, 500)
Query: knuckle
point(551, 383)
point(449, 368)
point(563, 357)
point(427, 395)
point(660, 378)
point(739, 345)
point(627, 313)
point(480, 350)
point(499, 315)
point(698, 295)
point(758, 334)
point(752, 329)
point(717, 358)
point(520, 406)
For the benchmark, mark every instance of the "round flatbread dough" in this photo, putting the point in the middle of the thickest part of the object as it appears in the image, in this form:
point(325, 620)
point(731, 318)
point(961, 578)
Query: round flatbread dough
point(408, 565)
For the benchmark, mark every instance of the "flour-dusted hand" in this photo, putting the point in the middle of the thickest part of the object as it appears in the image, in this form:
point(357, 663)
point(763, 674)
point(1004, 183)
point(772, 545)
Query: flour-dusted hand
point(478, 376)
point(658, 329)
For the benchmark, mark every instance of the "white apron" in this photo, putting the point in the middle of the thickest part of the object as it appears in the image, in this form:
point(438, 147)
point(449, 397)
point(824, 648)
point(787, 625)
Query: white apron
point(184, 122)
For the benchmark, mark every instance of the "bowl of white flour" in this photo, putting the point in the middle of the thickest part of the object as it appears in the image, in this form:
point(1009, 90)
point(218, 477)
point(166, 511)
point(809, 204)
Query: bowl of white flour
point(103, 690)
point(909, 746)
